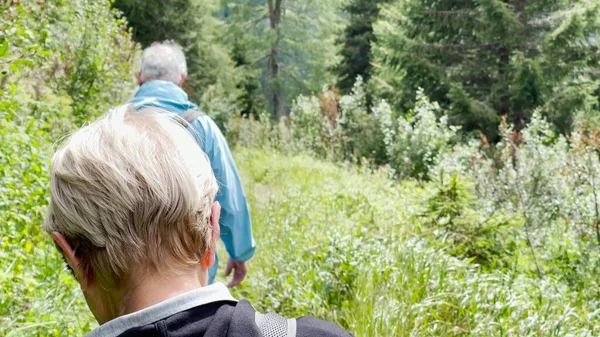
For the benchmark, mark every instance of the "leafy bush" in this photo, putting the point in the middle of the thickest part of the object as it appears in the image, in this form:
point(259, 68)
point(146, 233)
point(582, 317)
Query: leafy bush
point(548, 181)
point(454, 217)
point(362, 137)
point(414, 142)
point(349, 247)
point(313, 130)
point(341, 128)
point(64, 62)
point(260, 133)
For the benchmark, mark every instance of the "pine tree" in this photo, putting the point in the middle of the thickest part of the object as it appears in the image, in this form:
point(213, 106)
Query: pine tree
point(485, 59)
point(290, 41)
point(356, 43)
point(253, 103)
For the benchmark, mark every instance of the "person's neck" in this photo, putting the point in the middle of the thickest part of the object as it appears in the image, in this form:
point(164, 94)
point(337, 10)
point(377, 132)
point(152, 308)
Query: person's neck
point(159, 80)
point(153, 289)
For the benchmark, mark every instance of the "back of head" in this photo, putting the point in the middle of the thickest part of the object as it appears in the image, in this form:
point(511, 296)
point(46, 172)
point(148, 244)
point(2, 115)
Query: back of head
point(163, 61)
point(132, 190)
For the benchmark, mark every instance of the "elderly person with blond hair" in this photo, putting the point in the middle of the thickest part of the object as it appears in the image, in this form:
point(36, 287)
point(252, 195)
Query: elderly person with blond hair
point(133, 212)
point(162, 74)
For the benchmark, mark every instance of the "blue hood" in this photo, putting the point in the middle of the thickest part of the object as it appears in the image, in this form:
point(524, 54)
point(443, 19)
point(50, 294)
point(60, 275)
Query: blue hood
point(164, 95)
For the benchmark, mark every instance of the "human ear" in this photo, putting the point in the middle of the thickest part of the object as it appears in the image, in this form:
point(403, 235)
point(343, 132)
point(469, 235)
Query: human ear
point(182, 80)
point(215, 214)
point(138, 76)
point(72, 260)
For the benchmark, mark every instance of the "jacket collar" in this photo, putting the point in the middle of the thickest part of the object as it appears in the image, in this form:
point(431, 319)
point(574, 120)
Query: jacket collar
point(162, 88)
point(164, 95)
point(217, 292)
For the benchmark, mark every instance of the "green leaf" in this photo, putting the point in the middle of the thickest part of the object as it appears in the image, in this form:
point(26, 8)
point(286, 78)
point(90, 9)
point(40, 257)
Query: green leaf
point(3, 47)
point(23, 63)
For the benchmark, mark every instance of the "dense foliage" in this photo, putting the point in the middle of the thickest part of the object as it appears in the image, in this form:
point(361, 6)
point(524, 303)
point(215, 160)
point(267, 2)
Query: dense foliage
point(487, 59)
point(62, 62)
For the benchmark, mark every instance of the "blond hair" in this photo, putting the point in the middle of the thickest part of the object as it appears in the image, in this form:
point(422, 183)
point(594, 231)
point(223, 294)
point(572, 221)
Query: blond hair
point(132, 189)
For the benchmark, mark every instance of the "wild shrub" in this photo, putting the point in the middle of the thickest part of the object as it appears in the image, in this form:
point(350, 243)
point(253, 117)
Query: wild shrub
point(362, 138)
point(415, 141)
point(66, 58)
point(311, 129)
point(548, 181)
point(326, 125)
point(62, 63)
point(260, 132)
point(455, 219)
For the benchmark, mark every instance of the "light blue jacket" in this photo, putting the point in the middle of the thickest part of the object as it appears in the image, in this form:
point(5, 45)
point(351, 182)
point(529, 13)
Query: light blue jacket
point(235, 222)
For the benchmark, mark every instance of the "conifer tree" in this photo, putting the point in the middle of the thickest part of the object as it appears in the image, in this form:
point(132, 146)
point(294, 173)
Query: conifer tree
point(356, 43)
point(485, 59)
point(290, 41)
point(253, 103)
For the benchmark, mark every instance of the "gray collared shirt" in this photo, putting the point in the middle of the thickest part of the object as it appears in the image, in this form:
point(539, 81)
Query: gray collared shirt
point(213, 293)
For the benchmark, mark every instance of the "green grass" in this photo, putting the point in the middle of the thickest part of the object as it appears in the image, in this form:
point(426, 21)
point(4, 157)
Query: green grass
point(345, 246)
point(333, 242)
point(38, 297)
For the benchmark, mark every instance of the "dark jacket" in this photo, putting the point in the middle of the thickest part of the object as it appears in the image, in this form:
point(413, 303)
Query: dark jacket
point(226, 319)
point(209, 312)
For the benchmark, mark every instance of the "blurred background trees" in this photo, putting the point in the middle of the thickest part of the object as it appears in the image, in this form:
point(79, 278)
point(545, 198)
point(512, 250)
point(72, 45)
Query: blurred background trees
point(239, 49)
point(487, 59)
point(481, 60)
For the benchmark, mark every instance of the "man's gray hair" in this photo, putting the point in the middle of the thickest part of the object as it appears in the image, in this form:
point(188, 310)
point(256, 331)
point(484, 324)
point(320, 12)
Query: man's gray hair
point(163, 61)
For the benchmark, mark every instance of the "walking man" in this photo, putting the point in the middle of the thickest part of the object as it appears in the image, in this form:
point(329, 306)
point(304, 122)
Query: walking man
point(162, 74)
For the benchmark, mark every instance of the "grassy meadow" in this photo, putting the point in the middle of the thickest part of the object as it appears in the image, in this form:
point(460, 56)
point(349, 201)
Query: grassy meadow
point(334, 242)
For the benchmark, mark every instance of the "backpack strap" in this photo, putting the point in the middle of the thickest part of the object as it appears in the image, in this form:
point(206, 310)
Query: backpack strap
point(189, 116)
point(273, 325)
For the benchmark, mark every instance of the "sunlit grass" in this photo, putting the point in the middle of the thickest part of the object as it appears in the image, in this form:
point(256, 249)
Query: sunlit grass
point(333, 242)
point(342, 245)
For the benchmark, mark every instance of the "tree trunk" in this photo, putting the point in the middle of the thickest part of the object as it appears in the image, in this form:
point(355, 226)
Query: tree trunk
point(504, 96)
point(516, 115)
point(274, 64)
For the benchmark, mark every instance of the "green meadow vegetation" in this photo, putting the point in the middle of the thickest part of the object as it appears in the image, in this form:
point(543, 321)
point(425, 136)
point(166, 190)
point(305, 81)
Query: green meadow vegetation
point(394, 195)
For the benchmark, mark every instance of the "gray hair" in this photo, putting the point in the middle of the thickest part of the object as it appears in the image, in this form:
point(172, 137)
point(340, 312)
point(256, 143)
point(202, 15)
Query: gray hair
point(163, 61)
point(132, 190)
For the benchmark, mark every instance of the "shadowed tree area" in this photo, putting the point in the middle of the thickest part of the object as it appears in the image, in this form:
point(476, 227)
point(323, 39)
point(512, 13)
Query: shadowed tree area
point(356, 41)
point(484, 60)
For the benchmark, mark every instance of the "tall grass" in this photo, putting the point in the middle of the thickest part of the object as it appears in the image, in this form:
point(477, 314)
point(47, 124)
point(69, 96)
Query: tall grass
point(335, 243)
point(347, 246)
